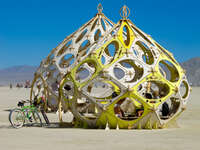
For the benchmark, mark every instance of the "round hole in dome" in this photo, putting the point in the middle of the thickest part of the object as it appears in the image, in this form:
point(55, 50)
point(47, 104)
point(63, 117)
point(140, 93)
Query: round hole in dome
point(102, 90)
point(103, 24)
point(94, 24)
point(154, 90)
point(38, 88)
point(119, 73)
point(86, 109)
point(65, 48)
point(184, 89)
point(126, 35)
point(52, 68)
point(97, 35)
point(169, 108)
point(81, 36)
point(68, 90)
point(103, 60)
point(128, 109)
point(134, 71)
point(85, 72)
point(84, 46)
point(147, 55)
point(67, 60)
point(168, 71)
point(126, 64)
point(82, 74)
point(112, 48)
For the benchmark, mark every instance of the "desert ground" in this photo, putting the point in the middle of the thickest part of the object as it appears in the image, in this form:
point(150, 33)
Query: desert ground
point(185, 137)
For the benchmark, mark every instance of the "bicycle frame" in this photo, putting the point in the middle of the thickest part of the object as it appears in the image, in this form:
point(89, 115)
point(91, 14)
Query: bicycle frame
point(28, 110)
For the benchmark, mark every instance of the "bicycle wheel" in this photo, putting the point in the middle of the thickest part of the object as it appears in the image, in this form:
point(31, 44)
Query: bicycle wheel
point(16, 118)
point(37, 120)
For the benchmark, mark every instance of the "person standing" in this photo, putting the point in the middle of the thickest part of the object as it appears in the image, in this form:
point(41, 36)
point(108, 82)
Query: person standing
point(10, 85)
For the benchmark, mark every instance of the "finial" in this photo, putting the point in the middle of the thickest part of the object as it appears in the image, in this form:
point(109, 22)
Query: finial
point(124, 12)
point(100, 8)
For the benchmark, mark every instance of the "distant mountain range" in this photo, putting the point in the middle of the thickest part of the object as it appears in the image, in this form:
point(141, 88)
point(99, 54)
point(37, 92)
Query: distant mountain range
point(19, 74)
point(16, 74)
point(192, 68)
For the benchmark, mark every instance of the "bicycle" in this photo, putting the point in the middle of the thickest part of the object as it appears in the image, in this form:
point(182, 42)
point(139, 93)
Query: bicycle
point(26, 114)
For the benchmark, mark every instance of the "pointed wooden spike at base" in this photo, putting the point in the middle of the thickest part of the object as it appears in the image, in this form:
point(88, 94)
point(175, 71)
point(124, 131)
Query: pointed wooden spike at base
point(107, 126)
point(117, 128)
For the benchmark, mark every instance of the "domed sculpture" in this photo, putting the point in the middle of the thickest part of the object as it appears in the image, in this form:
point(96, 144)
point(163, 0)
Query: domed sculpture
point(65, 56)
point(113, 75)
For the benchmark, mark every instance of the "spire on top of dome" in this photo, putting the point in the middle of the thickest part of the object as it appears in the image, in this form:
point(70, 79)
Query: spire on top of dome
point(100, 8)
point(124, 12)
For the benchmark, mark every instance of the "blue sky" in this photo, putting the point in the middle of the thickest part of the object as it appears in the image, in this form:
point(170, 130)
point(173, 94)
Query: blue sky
point(30, 29)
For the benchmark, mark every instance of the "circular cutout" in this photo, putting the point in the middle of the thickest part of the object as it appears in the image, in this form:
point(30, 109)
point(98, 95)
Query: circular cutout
point(128, 109)
point(112, 48)
point(84, 45)
point(81, 36)
point(103, 24)
point(38, 90)
point(65, 48)
point(153, 90)
point(67, 60)
point(84, 48)
point(126, 35)
point(168, 71)
point(133, 72)
point(100, 90)
point(94, 24)
point(103, 60)
point(147, 55)
point(169, 108)
point(97, 35)
point(119, 73)
point(82, 74)
point(86, 109)
point(85, 72)
point(184, 90)
point(68, 90)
